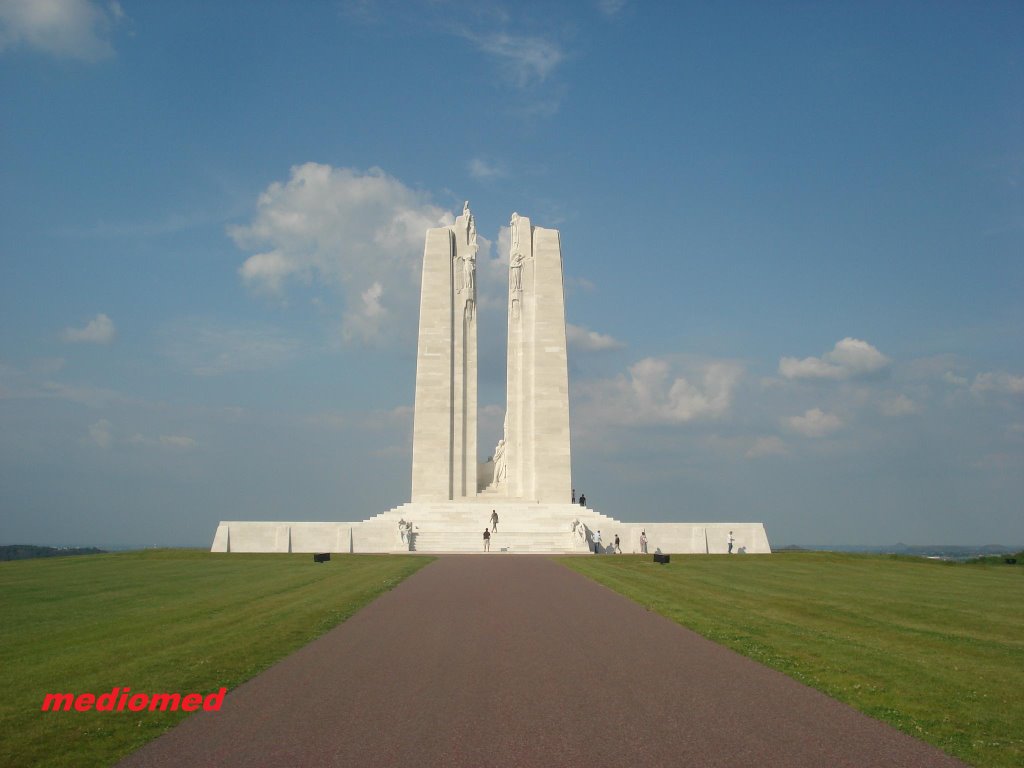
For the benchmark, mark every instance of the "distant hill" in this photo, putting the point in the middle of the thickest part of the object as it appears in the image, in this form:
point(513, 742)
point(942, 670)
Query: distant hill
point(948, 551)
point(29, 551)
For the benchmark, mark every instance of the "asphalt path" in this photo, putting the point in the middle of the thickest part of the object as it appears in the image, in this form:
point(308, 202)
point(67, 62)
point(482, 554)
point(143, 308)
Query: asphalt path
point(503, 660)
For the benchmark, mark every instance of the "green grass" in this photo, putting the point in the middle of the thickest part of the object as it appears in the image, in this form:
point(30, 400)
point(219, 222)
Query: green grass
point(935, 649)
point(162, 620)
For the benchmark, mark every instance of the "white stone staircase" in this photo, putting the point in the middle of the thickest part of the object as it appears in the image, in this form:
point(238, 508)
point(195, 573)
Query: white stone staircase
point(523, 527)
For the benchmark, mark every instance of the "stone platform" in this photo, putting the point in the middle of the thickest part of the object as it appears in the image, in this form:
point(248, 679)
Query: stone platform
point(523, 528)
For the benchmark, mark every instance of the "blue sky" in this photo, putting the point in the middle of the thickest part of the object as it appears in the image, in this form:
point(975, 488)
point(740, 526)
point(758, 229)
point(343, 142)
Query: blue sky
point(793, 238)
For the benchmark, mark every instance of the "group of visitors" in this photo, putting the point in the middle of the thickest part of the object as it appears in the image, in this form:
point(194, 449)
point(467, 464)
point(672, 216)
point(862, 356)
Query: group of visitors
point(489, 531)
point(583, 498)
point(615, 549)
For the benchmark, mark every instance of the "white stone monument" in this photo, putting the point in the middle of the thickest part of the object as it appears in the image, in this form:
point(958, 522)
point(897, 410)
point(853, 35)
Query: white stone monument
point(444, 455)
point(529, 481)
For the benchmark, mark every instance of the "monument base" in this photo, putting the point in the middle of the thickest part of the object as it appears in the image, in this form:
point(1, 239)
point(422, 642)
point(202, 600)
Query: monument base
point(523, 528)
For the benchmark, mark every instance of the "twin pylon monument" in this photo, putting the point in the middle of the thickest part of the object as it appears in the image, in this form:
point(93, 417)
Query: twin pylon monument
point(531, 461)
point(527, 480)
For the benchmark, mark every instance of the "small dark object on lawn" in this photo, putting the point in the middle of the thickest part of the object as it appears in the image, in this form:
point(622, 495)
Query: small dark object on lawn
point(321, 557)
point(660, 558)
point(1011, 561)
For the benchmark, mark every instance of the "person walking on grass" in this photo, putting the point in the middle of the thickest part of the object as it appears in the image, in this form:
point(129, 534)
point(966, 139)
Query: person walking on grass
point(731, 540)
point(487, 540)
point(618, 548)
point(643, 542)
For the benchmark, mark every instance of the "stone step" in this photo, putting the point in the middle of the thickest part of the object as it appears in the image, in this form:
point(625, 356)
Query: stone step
point(472, 541)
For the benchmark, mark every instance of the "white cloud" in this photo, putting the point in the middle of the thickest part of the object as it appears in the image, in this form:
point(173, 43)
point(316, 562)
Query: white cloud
point(579, 283)
point(951, 378)
point(76, 29)
point(849, 358)
point(361, 233)
point(526, 59)
point(814, 423)
point(610, 8)
point(582, 338)
point(181, 442)
point(100, 433)
point(91, 397)
point(481, 169)
point(900, 405)
point(652, 392)
point(329, 420)
point(998, 381)
point(99, 330)
point(174, 442)
point(365, 318)
point(208, 349)
point(767, 446)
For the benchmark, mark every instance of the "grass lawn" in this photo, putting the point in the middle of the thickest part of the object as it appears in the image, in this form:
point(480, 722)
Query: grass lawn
point(935, 649)
point(160, 620)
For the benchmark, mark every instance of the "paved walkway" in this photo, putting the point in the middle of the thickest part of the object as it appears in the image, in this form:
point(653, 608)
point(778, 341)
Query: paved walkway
point(503, 660)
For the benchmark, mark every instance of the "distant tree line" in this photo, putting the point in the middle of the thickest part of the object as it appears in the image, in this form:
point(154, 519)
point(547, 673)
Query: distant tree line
point(29, 551)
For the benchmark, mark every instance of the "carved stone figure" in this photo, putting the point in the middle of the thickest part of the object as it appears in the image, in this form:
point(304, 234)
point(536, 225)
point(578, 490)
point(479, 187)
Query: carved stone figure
point(579, 529)
point(405, 533)
point(515, 281)
point(514, 227)
point(499, 461)
point(469, 272)
point(469, 281)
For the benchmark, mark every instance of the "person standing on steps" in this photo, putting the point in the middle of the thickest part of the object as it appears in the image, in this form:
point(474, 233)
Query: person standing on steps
point(597, 542)
point(583, 500)
point(731, 540)
point(573, 495)
point(487, 540)
point(494, 520)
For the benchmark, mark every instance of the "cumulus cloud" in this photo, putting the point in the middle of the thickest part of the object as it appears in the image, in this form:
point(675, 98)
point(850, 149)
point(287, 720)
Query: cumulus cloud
point(100, 433)
point(951, 378)
point(654, 392)
point(582, 338)
point(813, 423)
point(364, 319)
point(900, 405)
point(99, 330)
point(361, 233)
point(76, 29)
point(850, 358)
point(767, 446)
point(999, 382)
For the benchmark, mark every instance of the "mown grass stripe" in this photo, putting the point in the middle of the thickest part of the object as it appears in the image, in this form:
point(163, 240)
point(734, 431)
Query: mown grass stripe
point(162, 620)
point(935, 649)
